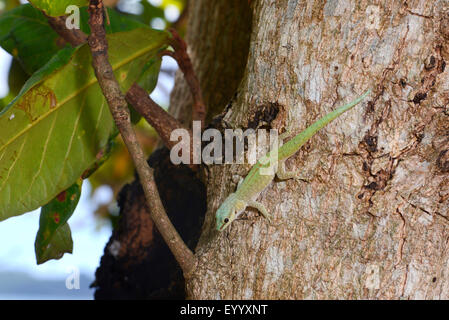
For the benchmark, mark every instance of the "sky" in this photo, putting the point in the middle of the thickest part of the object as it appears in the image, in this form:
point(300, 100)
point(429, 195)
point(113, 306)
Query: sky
point(17, 234)
point(5, 62)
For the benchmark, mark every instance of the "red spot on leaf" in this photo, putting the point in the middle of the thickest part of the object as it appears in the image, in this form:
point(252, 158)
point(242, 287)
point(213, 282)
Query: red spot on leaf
point(62, 196)
point(100, 154)
point(56, 217)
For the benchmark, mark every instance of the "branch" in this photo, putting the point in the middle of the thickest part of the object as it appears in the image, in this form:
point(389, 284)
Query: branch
point(185, 64)
point(73, 36)
point(157, 117)
point(119, 109)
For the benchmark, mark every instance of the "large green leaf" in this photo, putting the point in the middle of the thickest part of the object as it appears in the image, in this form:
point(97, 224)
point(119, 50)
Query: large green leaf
point(57, 7)
point(58, 128)
point(26, 34)
point(53, 238)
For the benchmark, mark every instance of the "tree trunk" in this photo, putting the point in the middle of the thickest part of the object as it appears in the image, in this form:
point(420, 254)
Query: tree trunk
point(372, 221)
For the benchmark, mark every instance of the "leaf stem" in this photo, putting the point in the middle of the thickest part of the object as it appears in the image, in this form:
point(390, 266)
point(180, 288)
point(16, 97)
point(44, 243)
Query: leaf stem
point(185, 64)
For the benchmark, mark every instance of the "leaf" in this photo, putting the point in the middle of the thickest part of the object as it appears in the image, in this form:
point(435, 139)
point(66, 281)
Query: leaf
point(60, 125)
point(53, 238)
point(16, 78)
point(26, 34)
point(60, 243)
point(56, 62)
point(101, 157)
point(6, 5)
point(150, 12)
point(57, 8)
point(150, 74)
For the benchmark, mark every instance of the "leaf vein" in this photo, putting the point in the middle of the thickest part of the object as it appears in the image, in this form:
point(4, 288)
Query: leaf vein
point(13, 164)
point(43, 156)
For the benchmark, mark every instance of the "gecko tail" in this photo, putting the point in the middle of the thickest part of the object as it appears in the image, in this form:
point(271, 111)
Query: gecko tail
point(299, 140)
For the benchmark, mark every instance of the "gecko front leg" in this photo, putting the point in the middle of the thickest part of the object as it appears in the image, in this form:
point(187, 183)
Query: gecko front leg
point(259, 206)
point(282, 174)
point(287, 133)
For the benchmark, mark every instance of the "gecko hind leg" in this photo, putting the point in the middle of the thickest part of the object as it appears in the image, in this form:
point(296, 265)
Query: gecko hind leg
point(259, 206)
point(282, 174)
point(285, 134)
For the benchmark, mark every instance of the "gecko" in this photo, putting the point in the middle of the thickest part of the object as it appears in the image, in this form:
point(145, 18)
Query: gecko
point(255, 182)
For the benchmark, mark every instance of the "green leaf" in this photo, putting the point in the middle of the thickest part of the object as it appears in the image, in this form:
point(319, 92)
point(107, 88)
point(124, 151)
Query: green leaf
point(150, 74)
point(56, 62)
point(53, 238)
point(8, 5)
point(26, 34)
point(61, 124)
point(150, 12)
point(60, 243)
point(16, 78)
point(57, 8)
point(102, 156)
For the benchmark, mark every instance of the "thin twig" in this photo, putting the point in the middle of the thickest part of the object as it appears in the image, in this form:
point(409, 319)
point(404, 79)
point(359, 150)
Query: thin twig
point(185, 64)
point(119, 109)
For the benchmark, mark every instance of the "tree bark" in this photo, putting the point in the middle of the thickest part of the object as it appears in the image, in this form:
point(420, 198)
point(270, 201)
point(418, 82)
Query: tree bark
point(218, 35)
point(373, 220)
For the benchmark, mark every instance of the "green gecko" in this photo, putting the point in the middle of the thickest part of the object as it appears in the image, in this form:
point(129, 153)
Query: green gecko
point(255, 182)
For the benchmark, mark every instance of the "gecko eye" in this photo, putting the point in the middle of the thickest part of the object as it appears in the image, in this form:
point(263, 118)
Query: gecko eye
point(226, 220)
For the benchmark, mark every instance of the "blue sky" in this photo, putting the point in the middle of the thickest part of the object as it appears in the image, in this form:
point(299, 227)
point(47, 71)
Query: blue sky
point(5, 61)
point(17, 236)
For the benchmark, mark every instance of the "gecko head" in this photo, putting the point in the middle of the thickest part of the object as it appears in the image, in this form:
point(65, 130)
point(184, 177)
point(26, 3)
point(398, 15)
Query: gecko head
point(228, 211)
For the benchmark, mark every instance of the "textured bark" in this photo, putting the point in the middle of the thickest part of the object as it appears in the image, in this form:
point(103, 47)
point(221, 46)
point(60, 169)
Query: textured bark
point(373, 220)
point(218, 41)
